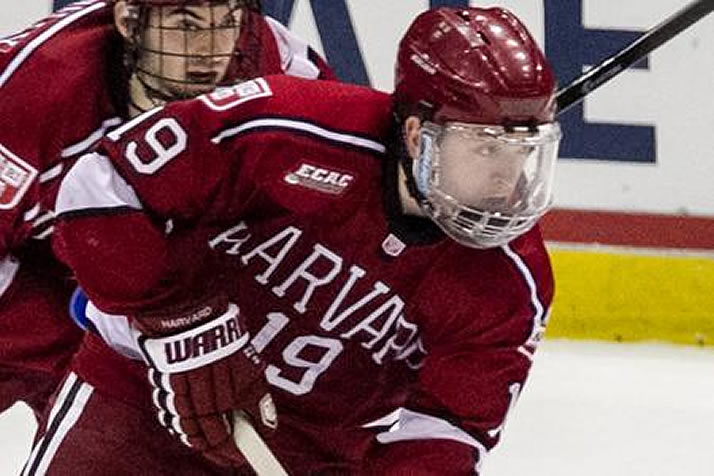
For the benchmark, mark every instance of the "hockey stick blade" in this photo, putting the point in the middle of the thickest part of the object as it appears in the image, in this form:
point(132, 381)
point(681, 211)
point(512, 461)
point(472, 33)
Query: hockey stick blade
point(655, 37)
point(256, 452)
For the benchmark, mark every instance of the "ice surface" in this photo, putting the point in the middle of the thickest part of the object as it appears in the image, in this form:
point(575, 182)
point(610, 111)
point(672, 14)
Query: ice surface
point(590, 409)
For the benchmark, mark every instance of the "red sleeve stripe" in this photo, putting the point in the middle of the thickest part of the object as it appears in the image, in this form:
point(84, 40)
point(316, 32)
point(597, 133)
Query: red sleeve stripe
point(44, 36)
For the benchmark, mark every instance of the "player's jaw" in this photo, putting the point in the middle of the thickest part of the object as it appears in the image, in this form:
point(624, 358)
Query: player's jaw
point(192, 81)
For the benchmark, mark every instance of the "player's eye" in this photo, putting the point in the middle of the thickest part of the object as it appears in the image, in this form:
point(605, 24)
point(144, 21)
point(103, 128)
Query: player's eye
point(228, 21)
point(488, 150)
point(188, 25)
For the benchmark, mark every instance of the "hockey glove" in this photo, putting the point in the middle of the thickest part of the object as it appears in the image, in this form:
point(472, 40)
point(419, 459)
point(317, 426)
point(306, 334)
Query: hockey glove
point(202, 368)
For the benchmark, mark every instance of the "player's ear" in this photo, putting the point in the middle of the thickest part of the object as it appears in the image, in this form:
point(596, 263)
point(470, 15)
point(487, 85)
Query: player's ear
point(412, 126)
point(121, 18)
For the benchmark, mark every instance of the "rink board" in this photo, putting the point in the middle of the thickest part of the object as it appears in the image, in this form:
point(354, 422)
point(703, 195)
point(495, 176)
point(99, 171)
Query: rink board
point(660, 286)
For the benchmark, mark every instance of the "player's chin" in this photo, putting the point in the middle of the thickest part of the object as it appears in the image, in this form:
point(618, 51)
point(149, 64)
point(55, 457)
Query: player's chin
point(198, 89)
point(190, 90)
point(193, 84)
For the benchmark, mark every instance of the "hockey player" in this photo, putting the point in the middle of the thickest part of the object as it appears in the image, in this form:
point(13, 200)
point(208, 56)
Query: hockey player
point(379, 251)
point(64, 82)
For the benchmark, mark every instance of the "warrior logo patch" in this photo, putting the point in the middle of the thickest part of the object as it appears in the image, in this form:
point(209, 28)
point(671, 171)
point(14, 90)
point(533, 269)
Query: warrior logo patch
point(322, 180)
point(16, 175)
point(225, 98)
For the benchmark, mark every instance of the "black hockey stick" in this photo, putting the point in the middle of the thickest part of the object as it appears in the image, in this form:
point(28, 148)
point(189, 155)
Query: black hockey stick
point(655, 37)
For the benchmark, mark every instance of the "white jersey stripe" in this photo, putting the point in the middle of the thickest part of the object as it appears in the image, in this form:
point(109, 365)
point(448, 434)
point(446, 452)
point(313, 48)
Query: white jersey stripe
point(116, 134)
point(51, 173)
point(71, 399)
point(43, 219)
point(61, 398)
point(302, 127)
point(85, 144)
point(32, 213)
point(540, 315)
point(75, 411)
point(68, 410)
point(526, 352)
point(44, 36)
point(387, 420)
point(94, 183)
point(413, 425)
point(45, 234)
point(116, 331)
point(8, 268)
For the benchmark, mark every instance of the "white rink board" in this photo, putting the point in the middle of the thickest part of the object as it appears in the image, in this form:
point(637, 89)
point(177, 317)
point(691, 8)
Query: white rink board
point(674, 94)
point(589, 409)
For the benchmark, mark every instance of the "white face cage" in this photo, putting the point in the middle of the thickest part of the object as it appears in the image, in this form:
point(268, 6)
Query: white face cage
point(486, 185)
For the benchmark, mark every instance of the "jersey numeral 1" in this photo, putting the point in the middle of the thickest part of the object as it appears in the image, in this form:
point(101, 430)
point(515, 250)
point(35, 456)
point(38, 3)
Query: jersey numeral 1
point(310, 345)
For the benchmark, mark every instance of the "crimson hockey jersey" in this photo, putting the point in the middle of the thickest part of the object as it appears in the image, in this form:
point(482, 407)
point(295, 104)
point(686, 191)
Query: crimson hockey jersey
point(391, 348)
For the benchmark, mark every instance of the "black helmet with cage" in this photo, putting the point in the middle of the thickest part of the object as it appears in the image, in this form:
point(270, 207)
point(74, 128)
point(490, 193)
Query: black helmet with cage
point(177, 49)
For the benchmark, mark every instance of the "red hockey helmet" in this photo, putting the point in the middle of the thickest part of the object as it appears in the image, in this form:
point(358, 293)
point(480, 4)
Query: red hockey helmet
point(488, 141)
point(477, 65)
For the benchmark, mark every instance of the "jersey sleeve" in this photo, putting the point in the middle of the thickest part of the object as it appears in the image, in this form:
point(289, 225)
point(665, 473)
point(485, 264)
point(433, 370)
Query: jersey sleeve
point(43, 124)
point(479, 348)
point(122, 211)
point(297, 57)
point(181, 158)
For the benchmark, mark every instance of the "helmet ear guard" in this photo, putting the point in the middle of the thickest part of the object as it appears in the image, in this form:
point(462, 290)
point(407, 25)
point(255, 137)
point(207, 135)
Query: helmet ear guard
point(477, 75)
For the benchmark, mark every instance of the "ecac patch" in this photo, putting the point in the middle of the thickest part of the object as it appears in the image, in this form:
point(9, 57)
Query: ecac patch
point(317, 178)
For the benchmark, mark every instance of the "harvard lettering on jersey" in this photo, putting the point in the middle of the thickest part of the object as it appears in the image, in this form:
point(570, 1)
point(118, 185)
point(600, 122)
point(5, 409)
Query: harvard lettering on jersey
point(387, 355)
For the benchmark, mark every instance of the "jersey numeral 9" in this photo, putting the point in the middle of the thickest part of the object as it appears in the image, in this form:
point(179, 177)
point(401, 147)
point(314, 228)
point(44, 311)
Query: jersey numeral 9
point(162, 154)
point(277, 376)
